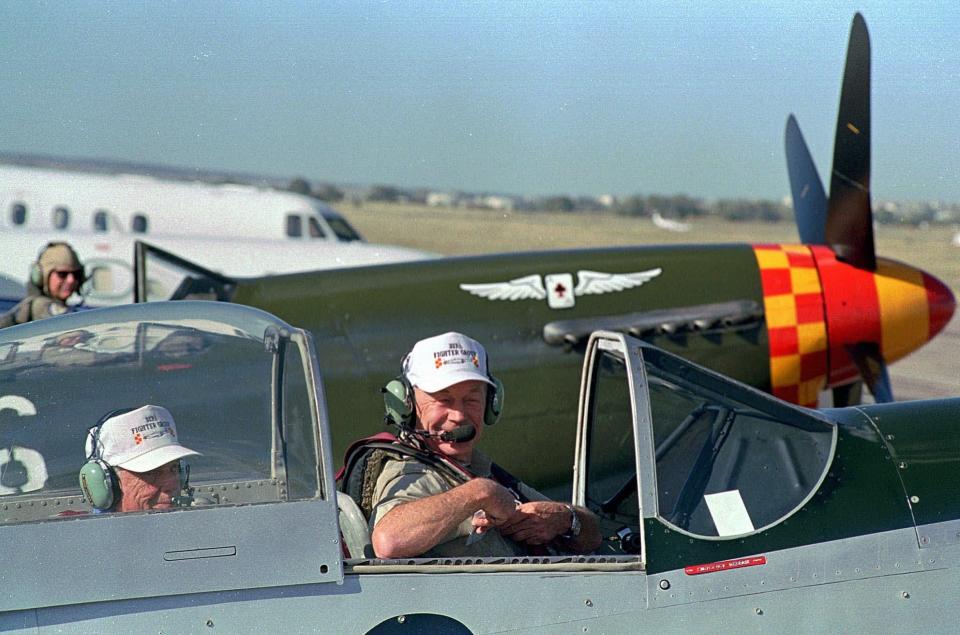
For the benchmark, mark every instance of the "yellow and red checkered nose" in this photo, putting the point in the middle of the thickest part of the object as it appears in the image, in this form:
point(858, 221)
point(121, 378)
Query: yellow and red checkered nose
point(796, 324)
point(816, 306)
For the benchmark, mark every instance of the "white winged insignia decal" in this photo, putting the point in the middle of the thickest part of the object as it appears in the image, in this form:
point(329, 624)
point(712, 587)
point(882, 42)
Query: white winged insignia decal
point(525, 288)
point(558, 288)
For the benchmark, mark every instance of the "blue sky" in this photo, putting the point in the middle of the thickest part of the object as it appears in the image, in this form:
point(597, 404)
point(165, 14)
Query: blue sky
point(526, 97)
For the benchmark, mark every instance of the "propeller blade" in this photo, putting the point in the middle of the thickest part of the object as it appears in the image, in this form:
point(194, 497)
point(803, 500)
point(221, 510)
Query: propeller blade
point(873, 369)
point(849, 225)
point(809, 197)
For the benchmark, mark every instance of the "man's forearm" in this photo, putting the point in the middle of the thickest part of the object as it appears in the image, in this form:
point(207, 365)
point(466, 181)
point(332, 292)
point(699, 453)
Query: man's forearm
point(410, 529)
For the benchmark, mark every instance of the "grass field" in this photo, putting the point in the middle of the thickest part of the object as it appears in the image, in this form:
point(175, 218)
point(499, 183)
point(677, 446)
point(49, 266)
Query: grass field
point(454, 231)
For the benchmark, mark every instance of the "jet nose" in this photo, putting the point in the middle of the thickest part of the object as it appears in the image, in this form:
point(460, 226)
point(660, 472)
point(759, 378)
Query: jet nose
point(941, 303)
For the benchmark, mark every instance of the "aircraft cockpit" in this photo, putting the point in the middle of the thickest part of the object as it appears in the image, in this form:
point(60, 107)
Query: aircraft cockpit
point(226, 373)
point(322, 223)
point(244, 390)
point(344, 231)
point(668, 442)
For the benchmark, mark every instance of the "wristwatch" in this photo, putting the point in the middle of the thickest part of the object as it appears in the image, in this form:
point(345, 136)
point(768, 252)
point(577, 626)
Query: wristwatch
point(575, 526)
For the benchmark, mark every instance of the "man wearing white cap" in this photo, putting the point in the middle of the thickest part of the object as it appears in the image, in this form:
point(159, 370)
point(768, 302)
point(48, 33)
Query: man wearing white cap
point(133, 461)
point(421, 510)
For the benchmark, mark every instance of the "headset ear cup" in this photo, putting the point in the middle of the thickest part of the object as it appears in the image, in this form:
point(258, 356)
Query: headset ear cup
point(97, 484)
point(36, 275)
point(398, 402)
point(495, 396)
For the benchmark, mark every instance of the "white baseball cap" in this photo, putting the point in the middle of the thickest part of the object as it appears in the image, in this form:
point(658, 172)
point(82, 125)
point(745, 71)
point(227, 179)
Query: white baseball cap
point(140, 440)
point(444, 360)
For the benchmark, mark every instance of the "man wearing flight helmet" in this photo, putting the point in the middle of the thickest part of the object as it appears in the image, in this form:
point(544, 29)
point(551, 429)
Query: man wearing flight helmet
point(54, 277)
point(420, 510)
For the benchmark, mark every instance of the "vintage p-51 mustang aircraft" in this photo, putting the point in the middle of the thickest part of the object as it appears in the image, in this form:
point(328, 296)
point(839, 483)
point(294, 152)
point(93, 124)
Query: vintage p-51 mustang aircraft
point(725, 509)
point(790, 319)
point(781, 318)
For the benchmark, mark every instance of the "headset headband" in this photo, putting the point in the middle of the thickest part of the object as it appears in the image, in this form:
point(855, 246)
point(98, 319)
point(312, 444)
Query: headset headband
point(96, 451)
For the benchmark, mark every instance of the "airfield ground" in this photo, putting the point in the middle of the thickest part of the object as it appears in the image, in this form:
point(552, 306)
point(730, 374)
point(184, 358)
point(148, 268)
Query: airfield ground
point(930, 372)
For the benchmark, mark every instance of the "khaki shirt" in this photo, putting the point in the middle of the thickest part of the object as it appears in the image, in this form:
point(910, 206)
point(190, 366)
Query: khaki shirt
point(407, 479)
point(32, 307)
point(44, 307)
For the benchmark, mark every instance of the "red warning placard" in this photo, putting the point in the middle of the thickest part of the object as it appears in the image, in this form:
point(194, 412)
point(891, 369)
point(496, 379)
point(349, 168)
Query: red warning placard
point(725, 565)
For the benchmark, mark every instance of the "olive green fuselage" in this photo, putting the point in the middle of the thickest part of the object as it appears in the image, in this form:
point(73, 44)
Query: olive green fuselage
point(366, 319)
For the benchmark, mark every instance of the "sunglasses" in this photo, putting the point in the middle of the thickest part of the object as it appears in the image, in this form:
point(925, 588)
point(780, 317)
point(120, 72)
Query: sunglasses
point(63, 275)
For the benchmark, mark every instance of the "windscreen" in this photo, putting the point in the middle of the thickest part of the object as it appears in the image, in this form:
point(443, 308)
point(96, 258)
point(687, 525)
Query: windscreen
point(215, 384)
point(344, 231)
point(161, 275)
point(218, 378)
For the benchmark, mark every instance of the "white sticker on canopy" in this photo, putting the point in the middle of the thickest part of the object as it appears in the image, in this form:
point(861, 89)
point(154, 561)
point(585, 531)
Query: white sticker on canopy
point(729, 513)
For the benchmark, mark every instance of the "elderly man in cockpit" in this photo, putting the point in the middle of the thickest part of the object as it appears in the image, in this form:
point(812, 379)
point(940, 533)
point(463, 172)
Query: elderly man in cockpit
point(451, 500)
point(133, 461)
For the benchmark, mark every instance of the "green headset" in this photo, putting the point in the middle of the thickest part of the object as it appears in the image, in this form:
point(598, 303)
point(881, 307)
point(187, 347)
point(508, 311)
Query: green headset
point(398, 402)
point(36, 271)
point(98, 480)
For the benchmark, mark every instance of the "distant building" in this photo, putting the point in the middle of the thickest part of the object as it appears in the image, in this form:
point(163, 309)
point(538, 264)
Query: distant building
point(607, 200)
point(505, 203)
point(440, 199)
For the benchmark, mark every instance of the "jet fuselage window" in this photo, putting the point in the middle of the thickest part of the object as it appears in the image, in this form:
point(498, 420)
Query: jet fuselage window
point(61, 217)
point(101, 221)
point(294, 226)
point(316, 231)
point(18, 213)
point(342, 228)
point(139, 224)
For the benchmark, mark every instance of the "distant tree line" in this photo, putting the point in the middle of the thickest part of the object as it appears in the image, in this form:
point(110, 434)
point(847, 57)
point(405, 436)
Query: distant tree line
point(679, 206)
point(324, 192)
point(684, 207)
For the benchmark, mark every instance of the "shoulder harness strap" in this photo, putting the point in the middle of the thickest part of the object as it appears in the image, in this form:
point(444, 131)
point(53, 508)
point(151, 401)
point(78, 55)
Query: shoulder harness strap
point(365, 459)
point(509, 481)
